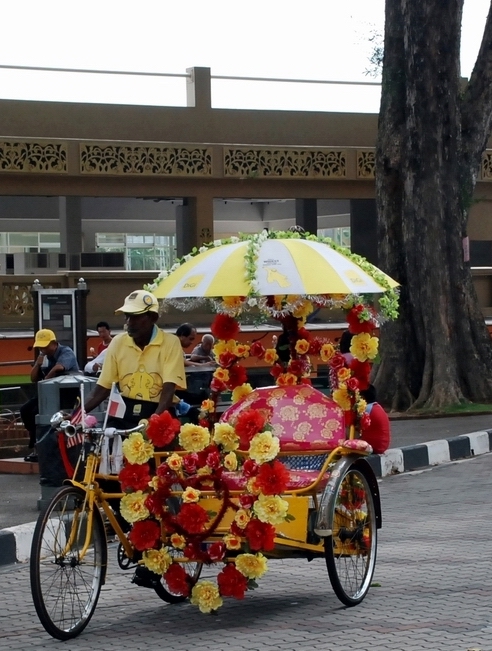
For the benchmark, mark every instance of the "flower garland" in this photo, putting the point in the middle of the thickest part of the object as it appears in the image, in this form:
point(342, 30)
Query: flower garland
point(201, 464)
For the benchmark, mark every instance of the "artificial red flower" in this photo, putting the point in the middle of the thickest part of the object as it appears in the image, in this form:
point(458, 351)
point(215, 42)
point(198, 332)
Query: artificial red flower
point(296, 367)
point(306, 380)
point(247, 501)
point(248, 424)
point(352, 384)
point(276, 370)
point(224, 327)
point(260, 535)
point(162, 429)
point(303, 333)
point(177, 580)
point(315, 346)
point(192, 517)
point(216, 551)
point(337, 361)
point(237, 377)
point(156, 501)
point(365, 421)
point(361, 371)
point(190, 462)
point(356, 322)
point(217, 386)
point(213, 459)
point(145, 534)
point(236, 530)
point(231, 582)
point(165, 472)
point(257, 350)
point(134, 476)
point(272, 478)
point(226, 359)
point(250, 468)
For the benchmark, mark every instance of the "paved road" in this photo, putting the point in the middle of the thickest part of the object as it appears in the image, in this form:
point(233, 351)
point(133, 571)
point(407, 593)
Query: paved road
point(434, 569)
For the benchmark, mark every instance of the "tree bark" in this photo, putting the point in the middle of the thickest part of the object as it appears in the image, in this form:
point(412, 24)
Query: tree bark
point(430, 141)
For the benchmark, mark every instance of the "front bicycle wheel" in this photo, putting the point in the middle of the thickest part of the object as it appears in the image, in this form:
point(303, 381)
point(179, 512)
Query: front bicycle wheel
point(350, 551)
point(68, 563)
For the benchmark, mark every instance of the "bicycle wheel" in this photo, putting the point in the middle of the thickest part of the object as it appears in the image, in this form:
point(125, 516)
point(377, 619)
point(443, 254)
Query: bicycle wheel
point(350, 551)
point(162, 590)
point(65, 581)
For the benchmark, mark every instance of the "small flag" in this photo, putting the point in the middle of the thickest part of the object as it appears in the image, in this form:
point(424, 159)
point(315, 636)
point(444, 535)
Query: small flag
point(116, 406)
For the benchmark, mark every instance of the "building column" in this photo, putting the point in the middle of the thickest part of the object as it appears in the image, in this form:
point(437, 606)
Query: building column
point(194, 223)
point(70, 218)
point(307, 215)
point(364, 229)
point(199, 88)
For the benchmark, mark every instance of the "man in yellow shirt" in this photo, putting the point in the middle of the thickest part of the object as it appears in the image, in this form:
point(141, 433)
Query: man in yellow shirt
point(145, 362)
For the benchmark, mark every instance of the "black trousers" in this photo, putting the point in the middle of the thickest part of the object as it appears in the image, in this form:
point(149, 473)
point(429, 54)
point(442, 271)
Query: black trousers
point(28, 413)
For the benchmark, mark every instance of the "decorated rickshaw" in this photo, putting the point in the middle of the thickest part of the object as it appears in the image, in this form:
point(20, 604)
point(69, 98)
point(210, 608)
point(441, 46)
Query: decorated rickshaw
point(281, 473)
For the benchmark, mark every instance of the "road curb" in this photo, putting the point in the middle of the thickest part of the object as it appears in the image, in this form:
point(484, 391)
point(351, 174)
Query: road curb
point(15, 542)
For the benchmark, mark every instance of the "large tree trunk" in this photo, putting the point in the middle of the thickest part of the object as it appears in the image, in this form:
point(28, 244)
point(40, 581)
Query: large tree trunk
point(430, 142)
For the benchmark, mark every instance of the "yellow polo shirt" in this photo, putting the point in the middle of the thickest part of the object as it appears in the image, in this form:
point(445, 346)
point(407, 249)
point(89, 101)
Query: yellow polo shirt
point(140, 374)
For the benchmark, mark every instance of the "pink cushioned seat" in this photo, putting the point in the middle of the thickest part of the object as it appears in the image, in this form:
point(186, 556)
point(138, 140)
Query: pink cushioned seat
point(297, 479)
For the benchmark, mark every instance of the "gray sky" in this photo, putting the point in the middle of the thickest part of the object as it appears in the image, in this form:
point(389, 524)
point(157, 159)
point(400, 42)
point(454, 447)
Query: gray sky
point(314, 39)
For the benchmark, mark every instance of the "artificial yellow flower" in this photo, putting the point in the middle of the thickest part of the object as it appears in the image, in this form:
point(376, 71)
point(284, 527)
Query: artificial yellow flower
point(302, 346)
point(225, 435)
point(230, 461)
point(241, 350)
point(155, 482)
point(136, 449)
point(231, 541)
point(342, 398)
point(174, 461)
point(252, 486)
point(132, 506)
point(232, 302)
point(157, 560)
point(190, 495)
point(361, 406)
point(264, 447)
point(364, 347)
point(205, 595)
point(204, 470)
point(270, 356)
point(221, 374)
point(224, 347)
point(271, 508)
point(327, 351)
point(208, 405)
point(193, 438)
point(252, 566)
point(303, 310)
point(240, 392)
point(343, 374)
point(242, 518)
point(178, 541)
point(286, 380)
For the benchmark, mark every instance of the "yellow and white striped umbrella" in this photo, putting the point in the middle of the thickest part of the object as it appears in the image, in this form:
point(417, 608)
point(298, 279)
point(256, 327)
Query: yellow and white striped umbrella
point(283, 266)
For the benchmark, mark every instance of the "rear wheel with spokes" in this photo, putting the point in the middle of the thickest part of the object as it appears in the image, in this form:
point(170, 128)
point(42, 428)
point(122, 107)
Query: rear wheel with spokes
point(162, 589)
point(68, 563)
point(350, 551)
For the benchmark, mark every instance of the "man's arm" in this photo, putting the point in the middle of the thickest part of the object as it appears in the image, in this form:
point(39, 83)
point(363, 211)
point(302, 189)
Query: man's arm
point(166, 399)
point(56, 370)
point(99, 394)
point(36, 369)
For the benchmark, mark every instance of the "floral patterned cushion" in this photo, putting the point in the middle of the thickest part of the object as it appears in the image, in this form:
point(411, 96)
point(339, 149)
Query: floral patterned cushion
point(359, 445)
point(302, 417)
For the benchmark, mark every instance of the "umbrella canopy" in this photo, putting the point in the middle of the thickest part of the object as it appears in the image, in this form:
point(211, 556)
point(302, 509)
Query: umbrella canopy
point(270, 267)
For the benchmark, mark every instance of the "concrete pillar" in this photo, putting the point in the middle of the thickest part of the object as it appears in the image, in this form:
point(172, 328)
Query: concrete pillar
point(307, 215)
point(364, 228)
point(194, 223)
point(70, 216)
point(198, 88)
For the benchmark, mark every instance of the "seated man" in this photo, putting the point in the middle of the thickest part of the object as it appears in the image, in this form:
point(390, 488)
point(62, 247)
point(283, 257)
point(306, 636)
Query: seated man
point(94, 366)
point(378, 434)
point(203, 353)
point(53, 359)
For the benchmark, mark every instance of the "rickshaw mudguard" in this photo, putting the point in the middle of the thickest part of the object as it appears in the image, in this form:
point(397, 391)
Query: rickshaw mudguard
point(322, 527)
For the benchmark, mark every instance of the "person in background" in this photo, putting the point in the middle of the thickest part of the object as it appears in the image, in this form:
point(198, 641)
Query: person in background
point(94, 366)
point(104, 331)
point(186, 333)
point(345, 341)
point(145, 362)
point(203, 353)
point(378, 434)
point(53, 360)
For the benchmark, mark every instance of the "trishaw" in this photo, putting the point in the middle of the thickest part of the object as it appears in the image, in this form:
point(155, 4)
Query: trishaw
point(281, 474)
